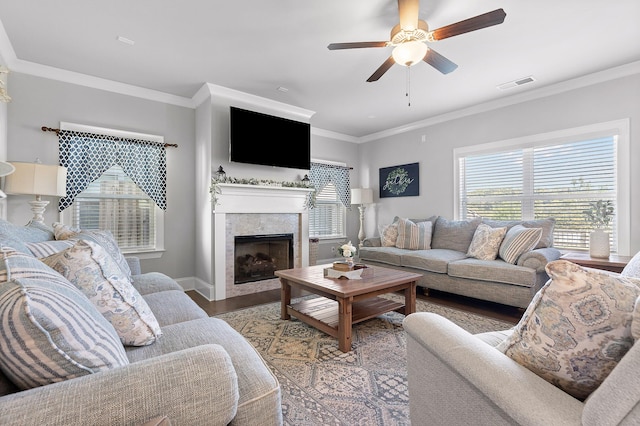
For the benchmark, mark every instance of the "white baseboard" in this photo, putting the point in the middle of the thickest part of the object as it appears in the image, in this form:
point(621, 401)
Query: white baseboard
point(206, 290)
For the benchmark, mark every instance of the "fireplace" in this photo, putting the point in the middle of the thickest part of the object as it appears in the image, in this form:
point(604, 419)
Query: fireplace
point(257, 257)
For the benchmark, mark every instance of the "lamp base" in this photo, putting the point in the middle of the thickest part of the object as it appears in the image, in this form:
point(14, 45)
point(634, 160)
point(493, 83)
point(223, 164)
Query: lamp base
point(38, 207)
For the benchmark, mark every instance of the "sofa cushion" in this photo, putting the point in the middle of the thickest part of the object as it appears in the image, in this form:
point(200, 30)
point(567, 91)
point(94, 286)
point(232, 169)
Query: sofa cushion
point(547, 225)
point(15, 236)
point(390, 255)
point(497, 271)
point(92, 270)
point(413, 236)
point(47, 248)
point(434, 260)
point(153, 282)
point(577, 327)
point(104, 238)
point(172, 307)
point(453, 235)
point(49, 331)
point(257, 386)
point(518, 240)
point(486, 242)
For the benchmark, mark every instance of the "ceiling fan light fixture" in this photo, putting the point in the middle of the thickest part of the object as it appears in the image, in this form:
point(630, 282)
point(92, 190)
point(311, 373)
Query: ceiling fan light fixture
point(409, 53)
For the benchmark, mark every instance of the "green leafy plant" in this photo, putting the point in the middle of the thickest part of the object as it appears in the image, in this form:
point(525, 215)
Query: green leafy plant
point(600, 213)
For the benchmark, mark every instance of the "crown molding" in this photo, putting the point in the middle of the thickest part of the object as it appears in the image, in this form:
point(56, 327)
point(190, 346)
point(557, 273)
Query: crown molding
point(542, 92)
point(259, 102)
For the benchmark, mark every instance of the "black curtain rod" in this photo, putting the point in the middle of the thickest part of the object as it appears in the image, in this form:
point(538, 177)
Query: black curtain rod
point(57, 132)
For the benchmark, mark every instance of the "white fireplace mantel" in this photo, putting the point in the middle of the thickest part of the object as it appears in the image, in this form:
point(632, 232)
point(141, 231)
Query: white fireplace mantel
point(259, 199)
point(239, 198)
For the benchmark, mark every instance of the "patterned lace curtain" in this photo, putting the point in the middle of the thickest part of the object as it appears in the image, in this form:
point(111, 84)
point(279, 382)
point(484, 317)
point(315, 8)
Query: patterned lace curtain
point(321, 175)
point(87, 156)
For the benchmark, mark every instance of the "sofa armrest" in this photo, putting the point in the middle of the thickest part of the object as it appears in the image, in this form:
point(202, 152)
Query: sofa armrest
point(187, 386)
point(455, 378)
point(134, 265)
point(372, 242)
point(537, 259)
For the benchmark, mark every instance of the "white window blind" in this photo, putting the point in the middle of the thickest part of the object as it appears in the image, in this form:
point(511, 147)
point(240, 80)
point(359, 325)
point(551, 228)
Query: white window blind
point(326, 219)
point(115, 203)
point(548, 180)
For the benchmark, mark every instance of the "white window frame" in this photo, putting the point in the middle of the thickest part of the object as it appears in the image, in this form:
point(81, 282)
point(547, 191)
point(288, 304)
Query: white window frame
point(331, 238)
point(619, 128)
point(66, 215)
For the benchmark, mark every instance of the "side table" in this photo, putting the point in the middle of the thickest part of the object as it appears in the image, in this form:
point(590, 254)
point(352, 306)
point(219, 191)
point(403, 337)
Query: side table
point(614, 263)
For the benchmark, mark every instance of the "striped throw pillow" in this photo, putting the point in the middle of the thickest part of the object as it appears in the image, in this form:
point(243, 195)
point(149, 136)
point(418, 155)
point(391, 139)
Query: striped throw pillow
point(413, 236)
point(47, 248)
point(518, 240)
point(90, 268)
point(49, 331)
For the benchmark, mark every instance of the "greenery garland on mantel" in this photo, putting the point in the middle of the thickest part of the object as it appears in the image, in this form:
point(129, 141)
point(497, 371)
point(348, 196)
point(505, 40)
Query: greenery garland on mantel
point(215, 190)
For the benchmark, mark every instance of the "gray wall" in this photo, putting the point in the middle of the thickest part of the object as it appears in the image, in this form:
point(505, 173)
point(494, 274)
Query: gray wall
point(608, 101)
point(42, 102)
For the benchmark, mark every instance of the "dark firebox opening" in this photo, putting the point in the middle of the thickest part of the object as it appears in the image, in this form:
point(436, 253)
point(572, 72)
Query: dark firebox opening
point(257, 257)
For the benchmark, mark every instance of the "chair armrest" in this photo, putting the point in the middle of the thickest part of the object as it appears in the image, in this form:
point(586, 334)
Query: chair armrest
point(187, 386)
point(537, 259)
point(372, 242)
point(455, 378)
point(134, 265)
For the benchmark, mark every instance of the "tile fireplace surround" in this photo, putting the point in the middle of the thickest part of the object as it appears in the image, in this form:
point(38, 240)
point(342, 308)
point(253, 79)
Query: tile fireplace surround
point(256, 210)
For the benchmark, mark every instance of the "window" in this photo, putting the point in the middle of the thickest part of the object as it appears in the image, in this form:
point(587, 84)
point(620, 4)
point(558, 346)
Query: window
point(326, 219)
point(333, 188)
point(116, 203)
point(113, 201)
point(552, 175)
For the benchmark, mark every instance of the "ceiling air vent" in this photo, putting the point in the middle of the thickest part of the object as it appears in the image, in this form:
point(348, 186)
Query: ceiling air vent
point(516, 83)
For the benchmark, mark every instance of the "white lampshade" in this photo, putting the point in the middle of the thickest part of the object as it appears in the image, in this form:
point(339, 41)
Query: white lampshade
point(361, 196)
point(36, 179)
point(409, 53)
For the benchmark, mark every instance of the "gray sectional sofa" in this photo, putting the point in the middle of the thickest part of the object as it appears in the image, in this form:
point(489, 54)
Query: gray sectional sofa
point(199, 371)
point(445, 266)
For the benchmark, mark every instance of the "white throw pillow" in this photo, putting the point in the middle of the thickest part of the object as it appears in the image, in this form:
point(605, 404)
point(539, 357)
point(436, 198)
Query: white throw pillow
point(90, 268)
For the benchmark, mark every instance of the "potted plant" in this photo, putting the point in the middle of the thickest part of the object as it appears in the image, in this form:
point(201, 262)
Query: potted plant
point(599, 215)
point(347, 251)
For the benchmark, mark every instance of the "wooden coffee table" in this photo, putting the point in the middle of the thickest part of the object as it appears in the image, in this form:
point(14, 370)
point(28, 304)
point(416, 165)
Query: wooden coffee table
point(344, 302)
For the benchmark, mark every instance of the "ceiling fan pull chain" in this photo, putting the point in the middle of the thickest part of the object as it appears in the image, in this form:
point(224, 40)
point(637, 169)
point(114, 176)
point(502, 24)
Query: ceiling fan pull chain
point(408, 91)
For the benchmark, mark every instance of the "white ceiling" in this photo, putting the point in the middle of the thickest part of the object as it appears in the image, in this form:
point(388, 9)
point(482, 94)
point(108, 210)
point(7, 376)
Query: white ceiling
point(256, 46)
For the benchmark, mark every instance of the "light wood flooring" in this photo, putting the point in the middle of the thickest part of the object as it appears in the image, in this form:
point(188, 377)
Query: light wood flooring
point(489, 309)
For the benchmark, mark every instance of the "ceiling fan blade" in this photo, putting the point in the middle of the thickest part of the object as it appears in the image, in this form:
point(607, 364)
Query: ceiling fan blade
point(439, 62)
point(476, 23)
point(382, 69)
point(357, 45)
point(408, 11)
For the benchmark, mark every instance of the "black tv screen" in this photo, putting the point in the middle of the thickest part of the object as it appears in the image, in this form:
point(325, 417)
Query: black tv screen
point(268, 140)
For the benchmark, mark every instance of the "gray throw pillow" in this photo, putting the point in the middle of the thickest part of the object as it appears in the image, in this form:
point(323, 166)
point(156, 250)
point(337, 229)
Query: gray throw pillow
point(454, 234)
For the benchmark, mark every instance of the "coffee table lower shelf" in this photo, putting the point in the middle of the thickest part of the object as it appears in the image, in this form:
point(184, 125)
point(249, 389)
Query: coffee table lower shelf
point(323, 313)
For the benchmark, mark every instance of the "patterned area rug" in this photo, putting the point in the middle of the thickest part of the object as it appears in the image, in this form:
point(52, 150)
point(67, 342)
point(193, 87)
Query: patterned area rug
point(322, 385)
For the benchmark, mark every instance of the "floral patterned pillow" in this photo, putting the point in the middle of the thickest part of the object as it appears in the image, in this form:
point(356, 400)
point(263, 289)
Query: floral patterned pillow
point(389, 235)
point(577, 327)
point(486, 242)
point(91, 269)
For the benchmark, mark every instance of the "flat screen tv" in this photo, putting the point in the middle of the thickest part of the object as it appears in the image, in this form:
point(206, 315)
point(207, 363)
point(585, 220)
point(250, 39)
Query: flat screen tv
point(268, 140)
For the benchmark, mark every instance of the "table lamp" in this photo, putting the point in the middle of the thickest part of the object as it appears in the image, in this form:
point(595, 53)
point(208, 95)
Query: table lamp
point(37, 179)
point(5, 169)
point(361, 197)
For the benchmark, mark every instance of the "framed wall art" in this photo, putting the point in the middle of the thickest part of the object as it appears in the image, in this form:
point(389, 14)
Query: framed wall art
point(400, 181)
